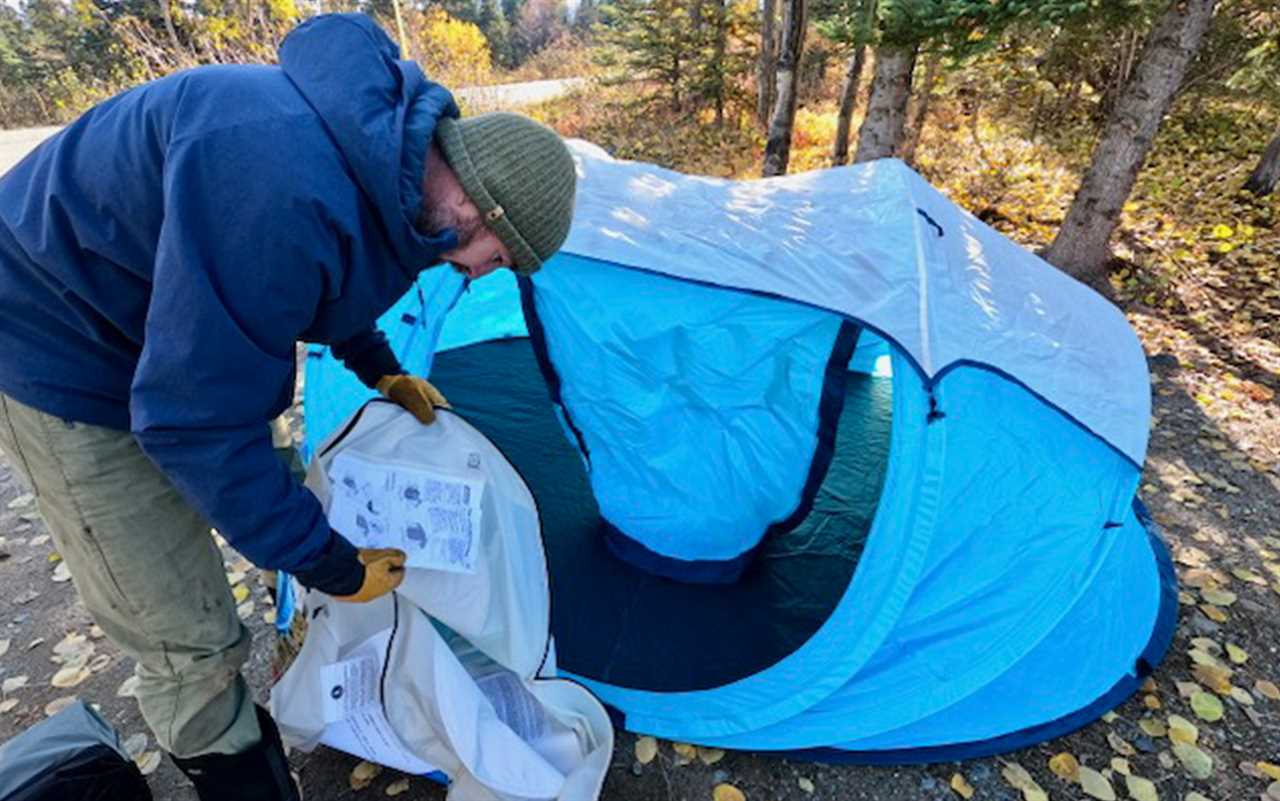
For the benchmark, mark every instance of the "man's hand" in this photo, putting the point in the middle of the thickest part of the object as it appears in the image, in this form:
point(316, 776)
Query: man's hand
point(413, 394)
point(383, 572)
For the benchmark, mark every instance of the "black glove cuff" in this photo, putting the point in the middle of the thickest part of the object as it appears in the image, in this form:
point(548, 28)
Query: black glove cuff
point(368, 356)
point(337, 571)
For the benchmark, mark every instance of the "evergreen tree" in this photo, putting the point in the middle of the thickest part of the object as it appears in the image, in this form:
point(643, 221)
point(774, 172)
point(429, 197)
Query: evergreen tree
point(497, 29)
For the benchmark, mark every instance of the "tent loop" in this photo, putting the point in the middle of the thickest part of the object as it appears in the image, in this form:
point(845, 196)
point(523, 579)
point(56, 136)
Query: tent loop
point(931, 221)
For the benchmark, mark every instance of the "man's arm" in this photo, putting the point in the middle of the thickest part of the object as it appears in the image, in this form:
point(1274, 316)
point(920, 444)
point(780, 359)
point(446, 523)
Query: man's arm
point(238, 275)
point(368, 355)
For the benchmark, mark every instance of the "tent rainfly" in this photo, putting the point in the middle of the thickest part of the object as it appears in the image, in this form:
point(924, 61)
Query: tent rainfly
point(824, 464)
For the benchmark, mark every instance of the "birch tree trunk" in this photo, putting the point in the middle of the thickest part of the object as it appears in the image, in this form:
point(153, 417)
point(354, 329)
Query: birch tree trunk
point(919, 110)
point(403, 40)
point(167, 13)
point(1082, 246)
point(766, 69)
point(881, 132)
point(1267, 173)
point(849, 92)
point(777, 150)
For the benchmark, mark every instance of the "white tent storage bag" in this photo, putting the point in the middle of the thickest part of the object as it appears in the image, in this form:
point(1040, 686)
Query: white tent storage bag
point(455, 670)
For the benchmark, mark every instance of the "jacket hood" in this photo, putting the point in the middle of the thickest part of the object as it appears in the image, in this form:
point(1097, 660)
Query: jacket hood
point(381, 112)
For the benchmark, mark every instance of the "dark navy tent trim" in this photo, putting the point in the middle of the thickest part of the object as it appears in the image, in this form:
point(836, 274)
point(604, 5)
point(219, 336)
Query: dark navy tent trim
point(538, 338)
point(1161, 638)
point(692, 571)
point(829, 408)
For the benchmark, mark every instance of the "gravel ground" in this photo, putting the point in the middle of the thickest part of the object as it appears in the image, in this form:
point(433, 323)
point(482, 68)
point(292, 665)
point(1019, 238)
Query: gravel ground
point(1212, 481)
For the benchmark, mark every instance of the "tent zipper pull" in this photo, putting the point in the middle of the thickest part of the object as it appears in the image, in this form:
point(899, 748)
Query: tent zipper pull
point(934, 413)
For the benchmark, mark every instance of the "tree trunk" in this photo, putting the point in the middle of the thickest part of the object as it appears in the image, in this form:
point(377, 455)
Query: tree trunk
point(849, 89)
point(766, 70)
point(920, 109)
point(881, 132)
point(1081, 248)
point(167, 13)
point(721, 80)
point(777, 150)
point(1267, 173)
point(404, 41)
point(848, 102)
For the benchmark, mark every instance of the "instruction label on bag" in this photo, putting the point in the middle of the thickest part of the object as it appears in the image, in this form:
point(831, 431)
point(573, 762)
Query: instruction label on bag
point(360, 727)
point(433, 517)
point(351, 686)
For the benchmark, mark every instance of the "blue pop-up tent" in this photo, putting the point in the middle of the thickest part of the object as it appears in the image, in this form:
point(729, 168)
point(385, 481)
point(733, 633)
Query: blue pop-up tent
point(824, 464)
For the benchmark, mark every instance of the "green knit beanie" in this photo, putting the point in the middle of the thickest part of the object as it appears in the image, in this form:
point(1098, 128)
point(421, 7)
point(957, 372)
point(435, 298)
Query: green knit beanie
point(520, 175)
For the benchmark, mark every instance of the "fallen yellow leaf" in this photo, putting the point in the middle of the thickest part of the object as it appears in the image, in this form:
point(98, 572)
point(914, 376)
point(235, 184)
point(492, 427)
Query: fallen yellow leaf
point(70, 676)
point(148, 762)
point(1217, 678)
point(1218, 597)
point(646, 750)
point(1141, 789)
point(1182, 730)
point(685, 753)
point(363, 774)
point(961, 786)
point(1214, 613)
point(1018, 778)
point(1095, 785)
point(1065, 766)
point(1197, 762)
point(1120, 745)
point(398, 786)
point(1207, 707)
point(727, 792)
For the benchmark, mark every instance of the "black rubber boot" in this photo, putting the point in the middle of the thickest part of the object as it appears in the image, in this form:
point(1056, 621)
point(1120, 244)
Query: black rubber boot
point(259, 774)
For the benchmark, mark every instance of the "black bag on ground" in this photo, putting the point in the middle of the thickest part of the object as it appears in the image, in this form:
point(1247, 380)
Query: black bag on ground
point(73, 755)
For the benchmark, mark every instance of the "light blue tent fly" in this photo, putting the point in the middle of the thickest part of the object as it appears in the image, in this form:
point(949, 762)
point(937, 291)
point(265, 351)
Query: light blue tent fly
point(824, 464)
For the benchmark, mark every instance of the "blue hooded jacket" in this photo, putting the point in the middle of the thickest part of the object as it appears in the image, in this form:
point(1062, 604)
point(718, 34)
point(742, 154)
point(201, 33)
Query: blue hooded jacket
point(160, 257)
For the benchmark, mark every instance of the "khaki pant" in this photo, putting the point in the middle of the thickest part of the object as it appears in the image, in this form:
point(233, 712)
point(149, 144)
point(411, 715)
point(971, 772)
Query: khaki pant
point(148, 570)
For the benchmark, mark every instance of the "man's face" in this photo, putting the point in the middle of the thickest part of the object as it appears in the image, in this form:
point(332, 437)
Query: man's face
point(479, 256)
point(479, 251)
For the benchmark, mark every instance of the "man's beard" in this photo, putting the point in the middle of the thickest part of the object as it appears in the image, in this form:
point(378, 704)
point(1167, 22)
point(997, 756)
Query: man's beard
point(433, 220)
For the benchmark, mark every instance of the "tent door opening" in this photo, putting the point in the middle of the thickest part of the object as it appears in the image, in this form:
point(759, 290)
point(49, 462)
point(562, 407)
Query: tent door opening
point(618, 624)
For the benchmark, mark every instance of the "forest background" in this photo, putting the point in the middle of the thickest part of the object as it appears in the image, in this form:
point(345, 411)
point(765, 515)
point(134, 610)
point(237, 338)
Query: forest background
point(1058, 121)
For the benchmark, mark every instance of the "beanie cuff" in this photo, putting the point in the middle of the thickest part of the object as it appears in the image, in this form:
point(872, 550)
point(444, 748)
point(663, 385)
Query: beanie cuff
point(449, 137)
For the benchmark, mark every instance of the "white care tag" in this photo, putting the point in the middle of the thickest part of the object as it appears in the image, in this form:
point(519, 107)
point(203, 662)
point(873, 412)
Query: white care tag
point(351, 686)
point(434, 517)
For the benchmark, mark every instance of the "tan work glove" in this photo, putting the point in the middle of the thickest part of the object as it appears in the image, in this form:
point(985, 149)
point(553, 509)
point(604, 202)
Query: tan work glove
point(413, 394)
point(383, 572)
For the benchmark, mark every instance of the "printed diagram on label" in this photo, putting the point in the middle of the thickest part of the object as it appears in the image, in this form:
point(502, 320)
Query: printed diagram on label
point(433, 517)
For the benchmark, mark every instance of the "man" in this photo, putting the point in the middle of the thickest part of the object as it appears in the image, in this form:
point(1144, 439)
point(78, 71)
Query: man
point(159, 259)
